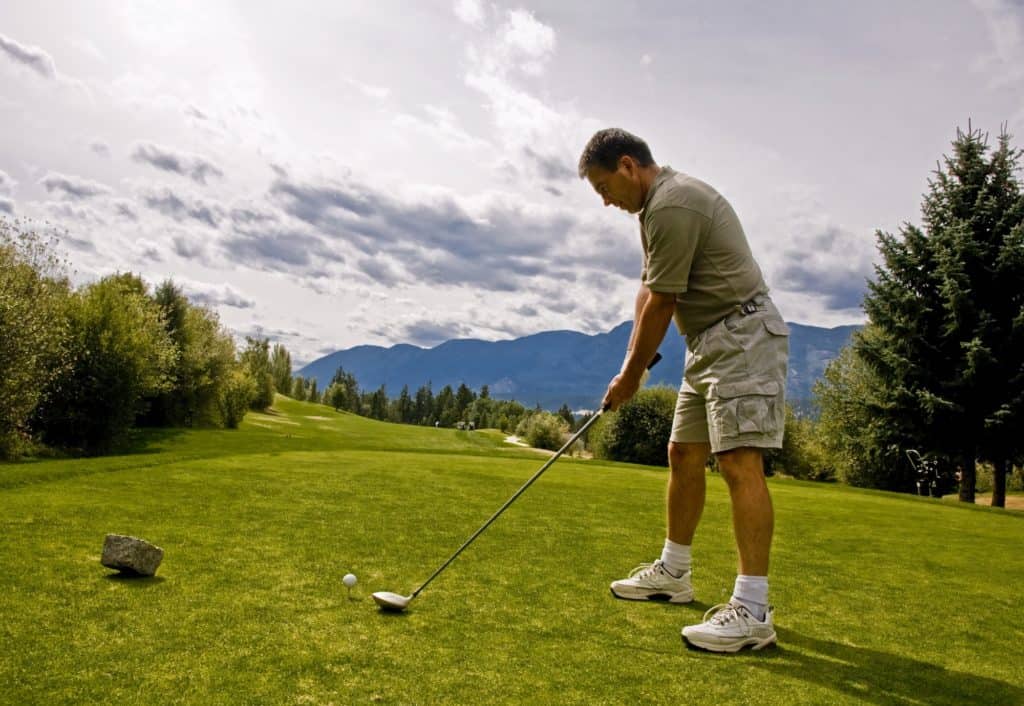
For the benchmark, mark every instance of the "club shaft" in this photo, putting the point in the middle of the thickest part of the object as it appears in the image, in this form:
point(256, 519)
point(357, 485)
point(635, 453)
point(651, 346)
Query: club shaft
point(511, 500)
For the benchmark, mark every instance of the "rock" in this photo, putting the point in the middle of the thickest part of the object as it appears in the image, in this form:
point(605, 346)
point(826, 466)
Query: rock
point(131, 555)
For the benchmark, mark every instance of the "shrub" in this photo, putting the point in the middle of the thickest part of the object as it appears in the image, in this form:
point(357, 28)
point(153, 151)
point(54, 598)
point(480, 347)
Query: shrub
point(543, 430)
point(638, 431)
point(235, 397)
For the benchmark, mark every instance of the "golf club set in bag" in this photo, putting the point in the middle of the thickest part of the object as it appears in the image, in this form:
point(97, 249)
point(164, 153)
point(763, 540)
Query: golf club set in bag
point(396, 602)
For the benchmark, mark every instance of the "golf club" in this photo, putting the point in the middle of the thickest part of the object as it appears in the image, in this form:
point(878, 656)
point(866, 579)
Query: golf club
point(396, 602)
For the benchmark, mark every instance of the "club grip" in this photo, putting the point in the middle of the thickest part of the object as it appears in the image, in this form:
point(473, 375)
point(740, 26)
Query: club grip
point(654, 361)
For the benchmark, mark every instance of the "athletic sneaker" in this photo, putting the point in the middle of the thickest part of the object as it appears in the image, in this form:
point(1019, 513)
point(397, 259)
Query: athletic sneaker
point(650, 581)
point(730, 629)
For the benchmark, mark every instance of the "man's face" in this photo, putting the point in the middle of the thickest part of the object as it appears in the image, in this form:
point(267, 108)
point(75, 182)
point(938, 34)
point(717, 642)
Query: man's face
point(620, 188)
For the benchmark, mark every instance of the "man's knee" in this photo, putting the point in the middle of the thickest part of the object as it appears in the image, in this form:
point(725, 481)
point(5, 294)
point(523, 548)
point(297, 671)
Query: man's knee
point(742, 464)
point(688, 456)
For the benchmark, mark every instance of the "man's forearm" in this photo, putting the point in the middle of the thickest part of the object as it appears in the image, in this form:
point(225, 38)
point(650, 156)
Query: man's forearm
point(638, 309)
point(654, 313)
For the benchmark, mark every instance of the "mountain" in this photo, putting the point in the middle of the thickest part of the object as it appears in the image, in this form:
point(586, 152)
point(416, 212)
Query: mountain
point(552, 368)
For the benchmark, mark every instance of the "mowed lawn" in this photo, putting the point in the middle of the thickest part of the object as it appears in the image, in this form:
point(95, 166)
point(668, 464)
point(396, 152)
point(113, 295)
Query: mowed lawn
point(880, 598)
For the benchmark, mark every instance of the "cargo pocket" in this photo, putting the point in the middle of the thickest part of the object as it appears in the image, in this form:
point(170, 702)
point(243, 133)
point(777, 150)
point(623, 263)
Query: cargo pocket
point(746, 407)
point(776, 327)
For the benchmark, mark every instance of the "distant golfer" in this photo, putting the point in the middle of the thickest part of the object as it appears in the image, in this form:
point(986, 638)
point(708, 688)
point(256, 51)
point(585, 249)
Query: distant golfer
point(698, 270)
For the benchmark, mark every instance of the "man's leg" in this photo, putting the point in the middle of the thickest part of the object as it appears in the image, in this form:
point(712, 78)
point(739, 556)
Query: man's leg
point(753, 518)
point(746, 621)
point(669, 577)
point(684, 498)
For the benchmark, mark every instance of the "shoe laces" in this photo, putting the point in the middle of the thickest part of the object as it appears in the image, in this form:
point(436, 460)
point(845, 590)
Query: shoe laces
point(644, 571)
point(725, 613)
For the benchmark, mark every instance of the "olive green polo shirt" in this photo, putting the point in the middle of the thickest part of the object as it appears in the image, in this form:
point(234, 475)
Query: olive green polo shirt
point(695, 248)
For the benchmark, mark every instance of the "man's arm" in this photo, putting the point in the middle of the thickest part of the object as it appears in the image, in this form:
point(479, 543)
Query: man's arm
point(654, 313)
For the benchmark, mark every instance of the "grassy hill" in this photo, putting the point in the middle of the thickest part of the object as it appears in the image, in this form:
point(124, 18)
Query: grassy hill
point(880, 598)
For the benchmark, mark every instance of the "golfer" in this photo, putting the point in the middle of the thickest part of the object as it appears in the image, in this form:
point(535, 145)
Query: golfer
point(699, 271)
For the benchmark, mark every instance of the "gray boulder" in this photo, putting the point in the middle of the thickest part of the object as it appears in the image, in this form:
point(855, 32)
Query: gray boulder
point(131, 555)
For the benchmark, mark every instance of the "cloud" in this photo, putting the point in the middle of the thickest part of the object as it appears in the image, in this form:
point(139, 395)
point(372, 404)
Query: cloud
point(827, 262)
point(212, 295)
point(424, 332)
point(279, 249)
point(74, 211)
point(442, 127)
point(368, 90)
point(183, 209)
point(1005, 22)
point(100, 148)
point(33, 58)
point(73, 187)
point(7, 184)
point(498, 246)
point(470, 12)
point(550, 167)
point(526, 42)
point(6, 205)
point(193, 166)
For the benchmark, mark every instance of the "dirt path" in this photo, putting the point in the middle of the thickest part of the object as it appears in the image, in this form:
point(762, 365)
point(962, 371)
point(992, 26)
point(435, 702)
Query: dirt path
point(1013, 502)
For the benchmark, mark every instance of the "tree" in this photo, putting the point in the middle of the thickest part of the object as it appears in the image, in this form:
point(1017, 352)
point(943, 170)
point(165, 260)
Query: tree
point(120, 354)
point(404, 408)
point(565, 413)
point(947, 305)
point(463, 398)
point(256, 360)
point(343, 392)
point(444, 407)
point(298, 391)
point(852, 427)
point(424, 406)
point(281, 369)
point(205, 357)
point(33, 329)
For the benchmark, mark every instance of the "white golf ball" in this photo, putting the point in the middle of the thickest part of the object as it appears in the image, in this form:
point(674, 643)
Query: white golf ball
point(349, 580)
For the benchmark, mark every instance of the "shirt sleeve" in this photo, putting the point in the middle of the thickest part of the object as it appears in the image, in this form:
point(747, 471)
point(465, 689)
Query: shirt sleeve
point(672, 237)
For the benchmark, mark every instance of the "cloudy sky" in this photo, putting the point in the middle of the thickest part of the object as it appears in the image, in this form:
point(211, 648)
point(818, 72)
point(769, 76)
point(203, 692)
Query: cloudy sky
point(335, 173)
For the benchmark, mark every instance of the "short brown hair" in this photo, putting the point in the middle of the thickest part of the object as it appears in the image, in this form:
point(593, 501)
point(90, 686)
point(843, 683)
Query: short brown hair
point(606, 147)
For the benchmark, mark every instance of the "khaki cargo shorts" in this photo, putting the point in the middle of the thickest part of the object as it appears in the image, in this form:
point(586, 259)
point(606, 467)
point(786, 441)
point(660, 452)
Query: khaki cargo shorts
point(734, 387)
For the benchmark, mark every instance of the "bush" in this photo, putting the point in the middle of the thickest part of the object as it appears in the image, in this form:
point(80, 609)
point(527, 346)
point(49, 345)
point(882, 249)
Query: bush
point(801, 455)
point(235, 397)
point(120, 353)
point(543, 430)
point(33, 331)
point(638, 431)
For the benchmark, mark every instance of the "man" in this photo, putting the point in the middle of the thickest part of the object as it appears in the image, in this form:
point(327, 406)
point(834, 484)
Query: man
point(698, 270)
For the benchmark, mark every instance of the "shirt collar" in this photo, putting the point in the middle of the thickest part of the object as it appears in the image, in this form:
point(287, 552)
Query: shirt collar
point(663, 174)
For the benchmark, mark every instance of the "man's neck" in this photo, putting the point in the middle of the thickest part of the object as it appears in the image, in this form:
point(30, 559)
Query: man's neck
point(647, 177)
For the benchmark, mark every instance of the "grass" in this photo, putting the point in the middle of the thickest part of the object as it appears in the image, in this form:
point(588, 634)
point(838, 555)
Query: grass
point(880, 598)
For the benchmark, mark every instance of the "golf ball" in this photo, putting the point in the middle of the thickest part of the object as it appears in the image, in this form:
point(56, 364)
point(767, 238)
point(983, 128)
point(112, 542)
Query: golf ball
point(349, 580)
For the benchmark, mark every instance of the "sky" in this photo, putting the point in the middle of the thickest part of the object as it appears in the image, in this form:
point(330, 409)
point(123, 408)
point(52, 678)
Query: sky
point(329, 174)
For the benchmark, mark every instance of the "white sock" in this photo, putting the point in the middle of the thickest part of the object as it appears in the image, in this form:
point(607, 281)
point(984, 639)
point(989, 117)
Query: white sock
point(752, 592)
point(676, 557)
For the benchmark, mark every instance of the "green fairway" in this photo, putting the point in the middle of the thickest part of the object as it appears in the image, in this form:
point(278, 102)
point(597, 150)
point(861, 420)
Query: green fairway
point(879, 598)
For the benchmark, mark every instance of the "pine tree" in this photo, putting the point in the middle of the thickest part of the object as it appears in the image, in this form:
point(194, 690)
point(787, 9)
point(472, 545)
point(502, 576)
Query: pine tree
point(948, 308)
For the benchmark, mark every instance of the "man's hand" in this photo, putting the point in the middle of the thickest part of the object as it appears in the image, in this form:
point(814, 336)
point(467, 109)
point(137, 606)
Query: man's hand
point(620, 390)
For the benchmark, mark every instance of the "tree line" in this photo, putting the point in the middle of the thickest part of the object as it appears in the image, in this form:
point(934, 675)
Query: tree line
point(81, 367)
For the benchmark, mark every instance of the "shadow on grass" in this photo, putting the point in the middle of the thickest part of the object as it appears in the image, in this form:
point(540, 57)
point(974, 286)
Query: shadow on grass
point(877, 677)
point(135, 580)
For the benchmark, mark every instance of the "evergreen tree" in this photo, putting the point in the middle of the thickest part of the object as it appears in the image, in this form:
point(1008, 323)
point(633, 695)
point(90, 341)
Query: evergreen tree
point(948, 309)
point(344, 391)
point(424, 407)
point(565, 413)
point(404, 407)
point(298, 390)
point(463, 398)
point(444, 407)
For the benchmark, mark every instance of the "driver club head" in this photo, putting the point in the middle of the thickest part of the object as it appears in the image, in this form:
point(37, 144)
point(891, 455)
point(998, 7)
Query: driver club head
point(391, 601)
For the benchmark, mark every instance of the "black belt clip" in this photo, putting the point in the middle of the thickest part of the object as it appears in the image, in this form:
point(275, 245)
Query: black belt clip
point(748, 308)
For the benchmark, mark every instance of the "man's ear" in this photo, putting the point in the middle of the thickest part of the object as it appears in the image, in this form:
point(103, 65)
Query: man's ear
point(628, 164)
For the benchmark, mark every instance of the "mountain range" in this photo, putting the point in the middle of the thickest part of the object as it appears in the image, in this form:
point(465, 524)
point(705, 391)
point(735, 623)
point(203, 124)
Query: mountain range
point(554, 367)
